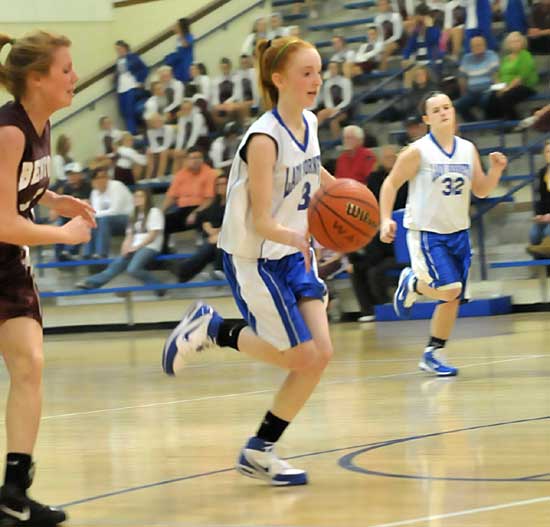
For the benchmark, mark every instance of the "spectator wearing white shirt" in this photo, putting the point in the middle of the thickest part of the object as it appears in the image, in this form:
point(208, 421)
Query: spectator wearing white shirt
point(173, 91)
point(158, 101)
point(160, 138)
point(246, 86)
point(259, 30)
point(224, 148)
point(200, 82)
point(190, 128)
point(60, 159)
point(342, 54)
point(276, 29)
point(112, 201)
point(129, 162)
point(369, 54)
point(337, 94)
point(226, 105)
point(140, 247)
point(390, 27)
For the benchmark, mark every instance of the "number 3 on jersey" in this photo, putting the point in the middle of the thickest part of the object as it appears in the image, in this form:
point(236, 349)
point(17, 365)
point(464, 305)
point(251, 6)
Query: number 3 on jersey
point(453, 186)
point(306, 197)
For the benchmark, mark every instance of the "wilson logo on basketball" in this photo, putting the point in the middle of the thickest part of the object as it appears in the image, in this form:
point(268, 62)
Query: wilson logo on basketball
point(355, 211)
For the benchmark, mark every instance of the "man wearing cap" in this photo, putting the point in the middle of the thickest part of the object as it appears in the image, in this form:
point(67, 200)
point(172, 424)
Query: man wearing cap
point(78, 186)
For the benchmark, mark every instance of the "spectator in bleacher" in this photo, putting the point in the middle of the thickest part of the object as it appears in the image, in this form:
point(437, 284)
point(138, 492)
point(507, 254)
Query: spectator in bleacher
point(422, 84)
point(224, 148)
point(539, 236)
point(414, 127)
point(190, 128)
point(181, 59)
point(370, 53)
point(109, 136)
point(294, 31)
point(199, 82)
point(539, 28)
point(259, 30)
point(423, 43)
point(140, 247)
point(112, 201)
point(449, 16)
point(173, 91)
point(370, 140)
point(371, 263)
point(160, 138)
point(157, 103)
point(478, 71)
point(518, 72)
point(209, 221)
point(60, 159)
point(479, 18)
point(129, 162)
point(226, 106)
point(343, 55)
point(247, 85)
point(390, 26)
point(276, 28)
point(130, 74)
point(337, 93)
point(356, 161)
point(78, 186)
point(191, 191)
point(201, 104)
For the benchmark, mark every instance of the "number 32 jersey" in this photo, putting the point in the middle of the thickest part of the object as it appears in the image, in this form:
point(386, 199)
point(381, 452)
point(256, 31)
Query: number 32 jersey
point(439, 195)
point(296, 177)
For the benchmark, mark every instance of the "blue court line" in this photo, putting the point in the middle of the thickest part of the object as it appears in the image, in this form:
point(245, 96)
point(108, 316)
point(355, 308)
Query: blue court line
point(348, 461)
point(343, 462)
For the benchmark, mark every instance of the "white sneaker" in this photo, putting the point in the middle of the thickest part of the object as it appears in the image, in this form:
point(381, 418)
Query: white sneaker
point(366, 318)
point(257, 460)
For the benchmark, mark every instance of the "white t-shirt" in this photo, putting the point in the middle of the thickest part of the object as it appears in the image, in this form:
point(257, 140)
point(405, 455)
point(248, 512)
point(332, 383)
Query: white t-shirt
point(154, 222)
point(126, 81)
point(116, 200)
point(127, 157)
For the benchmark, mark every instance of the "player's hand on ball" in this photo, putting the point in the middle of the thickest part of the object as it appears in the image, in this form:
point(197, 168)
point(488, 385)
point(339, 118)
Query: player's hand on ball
point(301, 242)
point(498, 160)
point(388, 230)
point(77, 231)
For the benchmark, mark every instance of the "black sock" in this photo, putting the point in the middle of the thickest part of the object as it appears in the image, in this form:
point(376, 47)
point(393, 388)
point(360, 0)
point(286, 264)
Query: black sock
point(436, 343)
point(272, 428)
point(415, 286)
point(228, 332)
point(18, 468)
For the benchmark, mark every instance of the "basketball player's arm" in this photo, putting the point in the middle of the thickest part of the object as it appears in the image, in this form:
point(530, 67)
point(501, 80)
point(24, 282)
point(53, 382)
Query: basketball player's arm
point(326, 177)
point(69, 206)
point(405, 168)
point(14, 228)
point(261, 156)
point(483, 185)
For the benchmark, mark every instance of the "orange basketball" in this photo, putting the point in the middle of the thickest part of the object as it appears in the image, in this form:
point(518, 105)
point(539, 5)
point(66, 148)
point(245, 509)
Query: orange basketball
point(343, 215)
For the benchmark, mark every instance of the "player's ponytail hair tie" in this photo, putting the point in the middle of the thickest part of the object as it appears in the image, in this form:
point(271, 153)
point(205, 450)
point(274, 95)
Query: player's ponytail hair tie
point(281, 52)
point(268, 44)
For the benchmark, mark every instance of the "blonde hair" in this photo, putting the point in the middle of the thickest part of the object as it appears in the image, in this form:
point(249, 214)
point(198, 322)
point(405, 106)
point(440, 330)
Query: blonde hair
point(272, 57)
point(515, 34)
point(34, 52)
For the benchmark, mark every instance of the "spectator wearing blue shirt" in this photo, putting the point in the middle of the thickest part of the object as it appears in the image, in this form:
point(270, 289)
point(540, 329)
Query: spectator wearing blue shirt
point(478, 70)
point(130, 73)
point(181, 59)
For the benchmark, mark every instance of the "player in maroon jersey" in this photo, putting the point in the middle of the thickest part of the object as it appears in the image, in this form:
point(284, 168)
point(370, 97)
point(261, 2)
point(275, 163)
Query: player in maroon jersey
point(39, 75)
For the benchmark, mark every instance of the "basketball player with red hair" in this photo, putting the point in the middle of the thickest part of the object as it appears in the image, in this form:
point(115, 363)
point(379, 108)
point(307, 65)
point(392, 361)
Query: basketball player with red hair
point(268, 260)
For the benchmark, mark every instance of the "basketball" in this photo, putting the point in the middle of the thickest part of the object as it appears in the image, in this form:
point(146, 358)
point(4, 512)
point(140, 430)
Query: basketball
point(343, 215)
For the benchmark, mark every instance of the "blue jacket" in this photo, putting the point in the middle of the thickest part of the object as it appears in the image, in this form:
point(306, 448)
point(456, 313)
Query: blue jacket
point(136, 67)
point(181, 60)
point(433, 35)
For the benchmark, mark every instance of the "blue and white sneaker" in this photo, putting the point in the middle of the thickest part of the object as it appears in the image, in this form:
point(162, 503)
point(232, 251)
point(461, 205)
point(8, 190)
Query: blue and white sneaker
point(433, 363)
point(196, 331)
point(405, 296)
point(258, 460)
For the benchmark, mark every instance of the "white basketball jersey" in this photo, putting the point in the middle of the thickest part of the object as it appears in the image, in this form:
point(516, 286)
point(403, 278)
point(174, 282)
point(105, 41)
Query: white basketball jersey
point(296, 177)
point(439, 194)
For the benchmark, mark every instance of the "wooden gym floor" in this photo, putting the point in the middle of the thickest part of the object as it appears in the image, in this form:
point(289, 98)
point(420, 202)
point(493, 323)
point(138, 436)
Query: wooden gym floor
point(385, 445)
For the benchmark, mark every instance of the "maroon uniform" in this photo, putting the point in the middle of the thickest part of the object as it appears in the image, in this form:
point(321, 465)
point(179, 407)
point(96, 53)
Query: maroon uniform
point(18, 293)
